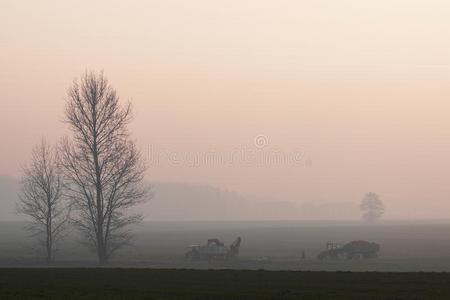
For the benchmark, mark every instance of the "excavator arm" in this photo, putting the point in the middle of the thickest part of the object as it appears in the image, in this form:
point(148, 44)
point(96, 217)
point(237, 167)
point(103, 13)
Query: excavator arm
point(234, 247)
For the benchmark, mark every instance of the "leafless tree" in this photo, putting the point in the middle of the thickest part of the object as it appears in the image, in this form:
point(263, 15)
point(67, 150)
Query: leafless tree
point(372, 207)
point(102, 166)
point(41, 198)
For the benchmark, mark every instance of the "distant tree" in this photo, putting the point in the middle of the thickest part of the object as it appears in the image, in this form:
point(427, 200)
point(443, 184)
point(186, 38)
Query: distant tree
point(41, 198)
point(372, 207)
point(102, 166)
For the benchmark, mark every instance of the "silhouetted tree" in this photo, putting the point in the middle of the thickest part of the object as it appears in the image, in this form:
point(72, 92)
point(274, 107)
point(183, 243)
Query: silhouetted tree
point(41, 198)
point(103, 168)
point(372, 207)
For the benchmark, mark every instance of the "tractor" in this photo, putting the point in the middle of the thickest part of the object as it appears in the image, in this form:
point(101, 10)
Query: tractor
point(351, 250)
point(213, 250)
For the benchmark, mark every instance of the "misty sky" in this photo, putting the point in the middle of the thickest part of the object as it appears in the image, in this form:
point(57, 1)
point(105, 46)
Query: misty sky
point(346, 96)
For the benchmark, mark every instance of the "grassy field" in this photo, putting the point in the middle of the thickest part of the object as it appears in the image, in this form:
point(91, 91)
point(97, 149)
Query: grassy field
point(266, 245)
point(106, 283)
point(269, 266)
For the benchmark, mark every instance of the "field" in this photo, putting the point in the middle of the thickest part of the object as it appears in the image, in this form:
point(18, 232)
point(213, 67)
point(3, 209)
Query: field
point(58, 283)
point(269, 266)
point(405, 247)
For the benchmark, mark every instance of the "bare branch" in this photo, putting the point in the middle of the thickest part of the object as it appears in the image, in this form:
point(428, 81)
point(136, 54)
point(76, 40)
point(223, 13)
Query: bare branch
point(41, 198)
point(103, 170)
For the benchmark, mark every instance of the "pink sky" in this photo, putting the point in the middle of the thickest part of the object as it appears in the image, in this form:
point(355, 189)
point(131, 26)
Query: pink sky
point(360, 88)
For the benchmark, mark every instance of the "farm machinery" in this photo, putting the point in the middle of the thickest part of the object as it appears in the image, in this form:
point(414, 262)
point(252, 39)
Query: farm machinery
point(214, 249)
point(351, 250)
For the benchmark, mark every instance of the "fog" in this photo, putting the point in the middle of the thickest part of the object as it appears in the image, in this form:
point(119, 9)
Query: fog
point(174, 201)
point(247, 109)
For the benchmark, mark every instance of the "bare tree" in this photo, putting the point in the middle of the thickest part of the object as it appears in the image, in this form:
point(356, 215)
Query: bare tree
point(372, 207)
point(103, 168)
point(41, 198)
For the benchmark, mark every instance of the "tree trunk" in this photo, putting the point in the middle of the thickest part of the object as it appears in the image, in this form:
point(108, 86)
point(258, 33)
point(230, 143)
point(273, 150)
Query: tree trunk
point(49, 241)
point(102, 259)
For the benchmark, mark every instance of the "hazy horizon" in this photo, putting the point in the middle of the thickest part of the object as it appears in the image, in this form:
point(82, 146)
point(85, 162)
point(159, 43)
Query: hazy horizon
point(189, 202)
point(296, 101)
